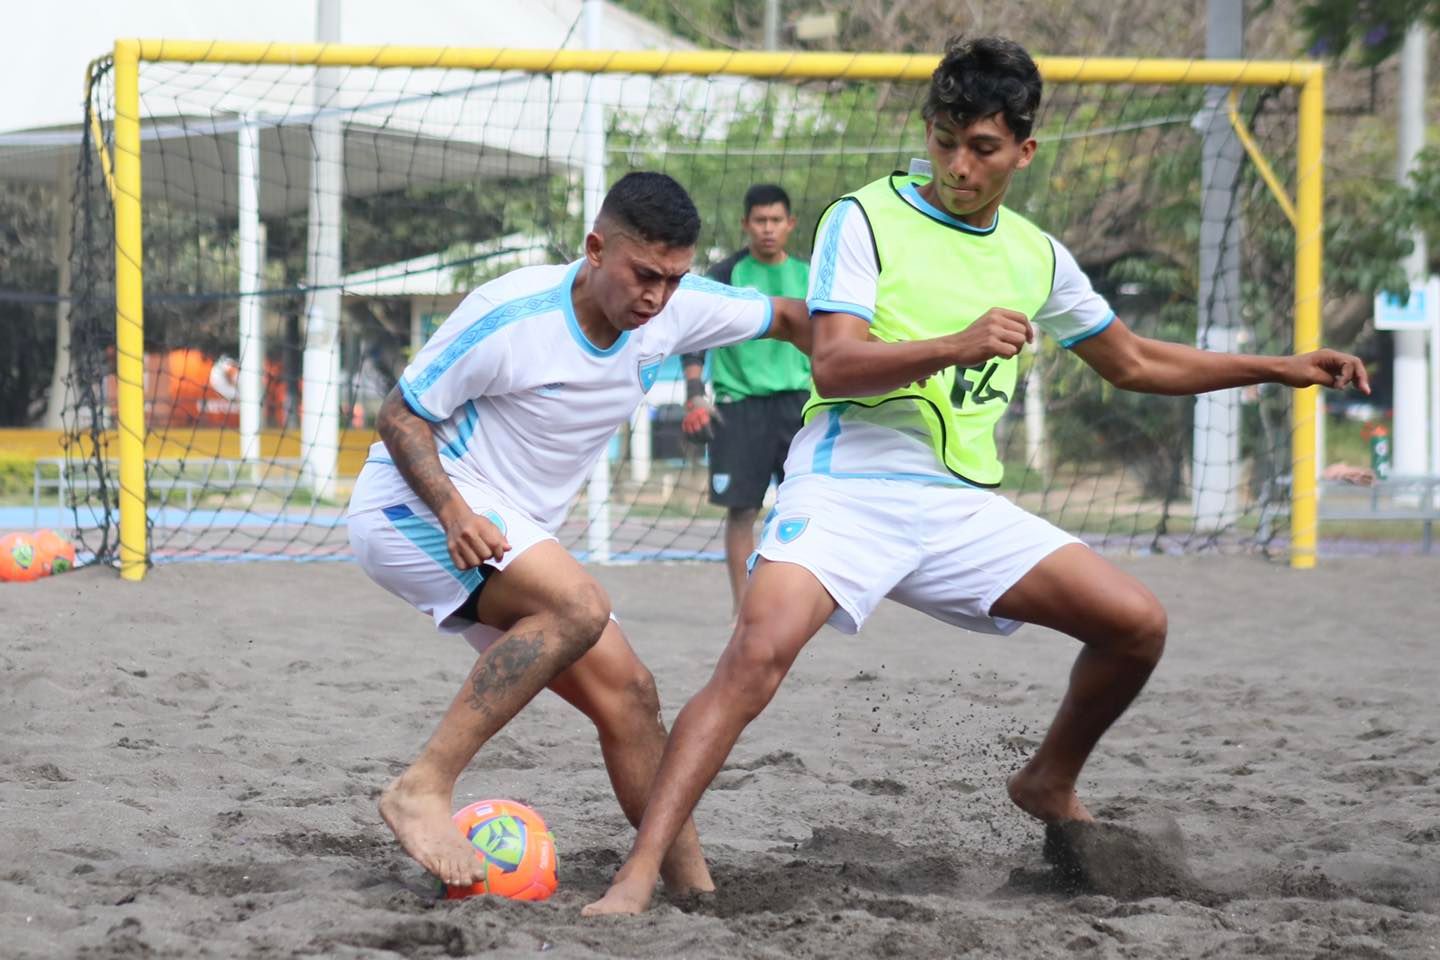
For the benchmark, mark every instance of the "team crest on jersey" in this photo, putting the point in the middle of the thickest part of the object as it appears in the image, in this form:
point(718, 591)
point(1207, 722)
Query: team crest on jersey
point(786, 531)
point(649, 370)
point(721, 482)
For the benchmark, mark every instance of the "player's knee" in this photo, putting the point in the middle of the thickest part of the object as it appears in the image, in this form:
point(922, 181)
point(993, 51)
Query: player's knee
point(630, 706)
point(582, 618)
point(642, 697)
point(754, 667)
point(1146, 625)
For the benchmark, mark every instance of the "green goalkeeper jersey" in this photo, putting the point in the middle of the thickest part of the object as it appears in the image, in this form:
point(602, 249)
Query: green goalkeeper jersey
point(759, 368)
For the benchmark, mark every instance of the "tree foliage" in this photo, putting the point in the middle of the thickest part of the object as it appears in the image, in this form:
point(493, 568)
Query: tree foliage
point(27, 320)
point(1371, 30)
point(839, 137)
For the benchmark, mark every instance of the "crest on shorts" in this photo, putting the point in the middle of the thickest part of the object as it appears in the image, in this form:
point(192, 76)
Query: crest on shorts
point(720, 482)
point(649, 370)
point(496, 519)
point(787, 530)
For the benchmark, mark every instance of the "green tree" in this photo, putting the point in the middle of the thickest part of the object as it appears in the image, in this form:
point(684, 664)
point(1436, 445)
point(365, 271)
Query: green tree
point(1373, 30)
point(27, 321)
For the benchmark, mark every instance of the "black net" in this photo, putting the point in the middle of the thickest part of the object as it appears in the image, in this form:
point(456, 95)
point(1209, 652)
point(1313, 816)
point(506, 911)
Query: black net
point(431, 182)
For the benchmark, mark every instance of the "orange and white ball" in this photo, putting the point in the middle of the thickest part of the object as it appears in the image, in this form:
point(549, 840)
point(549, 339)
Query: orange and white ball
point(20, 558)
point(57, 555)
point(516, 847)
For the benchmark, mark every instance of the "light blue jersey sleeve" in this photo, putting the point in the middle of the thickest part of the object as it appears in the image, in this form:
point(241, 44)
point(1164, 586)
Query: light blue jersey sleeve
point(844, 274)
point(464, 359)
point(712, 314)
point(1074, 312)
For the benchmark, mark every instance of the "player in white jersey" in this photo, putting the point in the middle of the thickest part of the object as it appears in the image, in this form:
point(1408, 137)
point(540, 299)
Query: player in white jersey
point(924, 290)
point(485, 441)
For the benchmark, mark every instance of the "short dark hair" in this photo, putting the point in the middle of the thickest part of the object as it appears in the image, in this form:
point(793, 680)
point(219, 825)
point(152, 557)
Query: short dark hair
point(764, 194)
point(982, 77)
point(654, 207)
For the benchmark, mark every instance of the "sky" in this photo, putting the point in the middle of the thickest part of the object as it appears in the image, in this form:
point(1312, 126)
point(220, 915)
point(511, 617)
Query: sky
point(68, 34)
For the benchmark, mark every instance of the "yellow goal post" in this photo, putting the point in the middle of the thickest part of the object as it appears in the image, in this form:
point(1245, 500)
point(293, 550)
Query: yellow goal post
point(130, 281)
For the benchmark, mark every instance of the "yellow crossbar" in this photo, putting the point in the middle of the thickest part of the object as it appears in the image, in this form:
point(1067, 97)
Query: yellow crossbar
point(841, 66)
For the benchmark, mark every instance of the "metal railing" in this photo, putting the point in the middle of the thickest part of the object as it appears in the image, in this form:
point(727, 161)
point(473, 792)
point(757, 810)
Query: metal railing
point(167, 479)
point(1409, 498)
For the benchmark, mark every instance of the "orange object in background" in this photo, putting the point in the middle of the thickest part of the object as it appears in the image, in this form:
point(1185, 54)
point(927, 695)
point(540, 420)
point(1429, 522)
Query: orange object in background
point(276, 394)
point(188, 387)
point(192, 388)
point(181, 390)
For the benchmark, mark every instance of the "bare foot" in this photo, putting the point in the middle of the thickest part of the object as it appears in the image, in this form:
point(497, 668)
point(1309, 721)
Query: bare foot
point(627, 895)
point(1045, 800)
point(691, 875)
point(419, 816)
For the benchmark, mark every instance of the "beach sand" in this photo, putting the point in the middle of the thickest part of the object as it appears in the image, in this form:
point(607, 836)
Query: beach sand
point(189, 767)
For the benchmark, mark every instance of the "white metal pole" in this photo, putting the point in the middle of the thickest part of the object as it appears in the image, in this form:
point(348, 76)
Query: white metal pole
point(1433, 303)
point(641, 443)
point(64, 222)
point(252, 329)
point(1037, 450)
point(1215, 472)
point(1410, 401)
point(320, 392)
point(1435, 400)
point(597, 498)
point(772, 24)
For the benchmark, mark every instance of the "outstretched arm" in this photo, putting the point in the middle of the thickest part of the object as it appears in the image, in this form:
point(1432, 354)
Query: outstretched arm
point(1133, 362)
point(790, 321)
point(848, 362)
point(470, 538)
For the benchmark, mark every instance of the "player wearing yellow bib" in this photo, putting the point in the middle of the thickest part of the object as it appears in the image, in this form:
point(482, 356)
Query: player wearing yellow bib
point(923, 293)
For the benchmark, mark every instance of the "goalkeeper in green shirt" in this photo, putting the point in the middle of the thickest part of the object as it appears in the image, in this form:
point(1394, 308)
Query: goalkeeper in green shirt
point(760, 387)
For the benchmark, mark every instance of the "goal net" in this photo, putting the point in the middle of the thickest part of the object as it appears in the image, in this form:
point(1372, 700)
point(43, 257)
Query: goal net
point(261, 245)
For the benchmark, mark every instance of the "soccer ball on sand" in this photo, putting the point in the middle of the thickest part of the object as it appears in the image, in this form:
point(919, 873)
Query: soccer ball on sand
point(515, 846)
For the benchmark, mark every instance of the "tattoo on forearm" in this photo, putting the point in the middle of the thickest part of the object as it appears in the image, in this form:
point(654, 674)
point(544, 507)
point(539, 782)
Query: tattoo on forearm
point(412, 445)
point(503, 666)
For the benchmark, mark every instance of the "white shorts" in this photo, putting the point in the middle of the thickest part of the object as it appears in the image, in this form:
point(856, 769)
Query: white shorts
point(401, 546)
point(946, 551)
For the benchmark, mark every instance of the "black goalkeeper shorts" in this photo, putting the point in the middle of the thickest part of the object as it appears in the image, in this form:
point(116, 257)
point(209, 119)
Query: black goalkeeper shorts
point(751, 439)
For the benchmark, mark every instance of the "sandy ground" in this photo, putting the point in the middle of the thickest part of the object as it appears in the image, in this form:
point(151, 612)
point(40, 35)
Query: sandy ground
point(189, 768)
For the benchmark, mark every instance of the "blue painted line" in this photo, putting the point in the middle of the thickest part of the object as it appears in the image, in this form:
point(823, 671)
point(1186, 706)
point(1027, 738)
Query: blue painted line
point(62, 518)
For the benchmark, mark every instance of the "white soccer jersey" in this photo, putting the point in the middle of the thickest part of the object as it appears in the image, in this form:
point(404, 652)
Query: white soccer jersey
point(892, 442)
point(520, 399)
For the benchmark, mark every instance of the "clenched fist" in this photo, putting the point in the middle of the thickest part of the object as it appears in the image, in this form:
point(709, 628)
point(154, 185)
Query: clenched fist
point(472, 539)
point(699, 413)
point(997, 333)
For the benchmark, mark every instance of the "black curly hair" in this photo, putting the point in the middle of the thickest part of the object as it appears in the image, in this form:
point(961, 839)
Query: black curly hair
point(983, 77)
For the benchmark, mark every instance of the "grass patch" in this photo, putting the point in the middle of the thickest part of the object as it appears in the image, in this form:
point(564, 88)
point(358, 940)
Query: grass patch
point(1345, 442)
point(17, 480)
